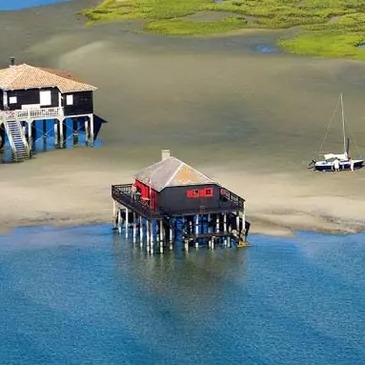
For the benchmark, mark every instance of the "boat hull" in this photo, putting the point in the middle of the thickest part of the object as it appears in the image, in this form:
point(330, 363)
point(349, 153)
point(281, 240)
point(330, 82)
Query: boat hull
point(344, 165)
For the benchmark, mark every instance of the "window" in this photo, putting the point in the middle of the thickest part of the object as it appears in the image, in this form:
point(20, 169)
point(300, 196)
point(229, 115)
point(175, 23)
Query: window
point(200, 193)
point(193, 193)
point(209, 192)
point(69, 99)
point(45, 97)
point(13, 100)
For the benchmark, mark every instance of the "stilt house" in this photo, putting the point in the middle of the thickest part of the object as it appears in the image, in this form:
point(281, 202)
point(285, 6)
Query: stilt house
point(171, 201)
point(30, 94)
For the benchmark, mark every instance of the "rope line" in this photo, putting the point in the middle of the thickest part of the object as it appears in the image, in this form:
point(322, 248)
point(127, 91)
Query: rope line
point(66, 139)
point(329, 126)
point(352, 138)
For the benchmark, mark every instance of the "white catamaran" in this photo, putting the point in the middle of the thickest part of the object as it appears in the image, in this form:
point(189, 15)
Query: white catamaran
point(342, 161)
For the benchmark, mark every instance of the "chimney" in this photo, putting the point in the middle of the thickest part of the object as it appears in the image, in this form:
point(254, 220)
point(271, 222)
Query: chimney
point(12, 61)
point(165, 154)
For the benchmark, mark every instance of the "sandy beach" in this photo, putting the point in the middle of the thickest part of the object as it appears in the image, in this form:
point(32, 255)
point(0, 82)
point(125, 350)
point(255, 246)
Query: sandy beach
point(251, 120)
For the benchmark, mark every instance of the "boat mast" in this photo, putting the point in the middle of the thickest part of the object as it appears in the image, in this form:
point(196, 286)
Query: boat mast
point(343, 125)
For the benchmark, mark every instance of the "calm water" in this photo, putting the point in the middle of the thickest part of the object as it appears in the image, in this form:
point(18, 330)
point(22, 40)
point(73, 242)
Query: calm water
point(23, 4)
point(83, 296)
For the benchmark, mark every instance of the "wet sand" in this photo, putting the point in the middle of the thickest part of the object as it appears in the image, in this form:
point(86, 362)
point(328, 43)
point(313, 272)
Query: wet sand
point(251, 120)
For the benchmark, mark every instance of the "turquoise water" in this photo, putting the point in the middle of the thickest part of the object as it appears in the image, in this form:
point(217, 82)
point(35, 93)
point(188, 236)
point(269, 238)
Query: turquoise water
point(83, 296)
point(24, 4)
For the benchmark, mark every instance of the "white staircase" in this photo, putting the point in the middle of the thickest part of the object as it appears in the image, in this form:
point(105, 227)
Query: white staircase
point(17, 140)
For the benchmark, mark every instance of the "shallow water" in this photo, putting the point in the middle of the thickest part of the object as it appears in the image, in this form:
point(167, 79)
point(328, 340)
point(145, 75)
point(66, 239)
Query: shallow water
point(24, 4)
point(82, 295)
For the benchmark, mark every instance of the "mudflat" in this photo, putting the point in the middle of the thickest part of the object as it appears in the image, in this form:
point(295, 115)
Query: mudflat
point(250, 119)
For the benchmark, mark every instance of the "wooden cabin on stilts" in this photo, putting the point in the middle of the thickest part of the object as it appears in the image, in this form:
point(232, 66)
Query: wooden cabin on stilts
point(170, 203)
point(38, 104)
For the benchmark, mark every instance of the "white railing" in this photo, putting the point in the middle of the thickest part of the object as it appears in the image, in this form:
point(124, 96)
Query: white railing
point(18, 130)
point(31, 114)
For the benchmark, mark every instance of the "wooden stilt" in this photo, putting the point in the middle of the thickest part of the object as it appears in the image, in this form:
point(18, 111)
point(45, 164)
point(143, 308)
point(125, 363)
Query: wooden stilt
point(75, 130)
point(196, 230)
point(209, 218)
point(152, 235)
point(126, 223)
point(217, 222)
point(141, 231)
point(171, 237)
point(92, 128)
point(55, 132)
point(161, 236)
point(119, 221)
point(44, 135)
point(134, 227)
point(114, 214)
point(148, 235)
point(244, 224)
point(86, 123)
point(61, 132)
point(29, 130)
point(225, 228)
point(64, 133)
point(186, 244)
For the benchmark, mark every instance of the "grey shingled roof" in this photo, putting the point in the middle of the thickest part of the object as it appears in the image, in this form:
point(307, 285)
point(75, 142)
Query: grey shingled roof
point(172, 172)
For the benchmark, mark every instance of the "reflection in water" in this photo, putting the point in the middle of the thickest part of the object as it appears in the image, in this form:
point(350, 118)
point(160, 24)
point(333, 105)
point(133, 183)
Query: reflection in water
point(197, 276)
point(83, 295)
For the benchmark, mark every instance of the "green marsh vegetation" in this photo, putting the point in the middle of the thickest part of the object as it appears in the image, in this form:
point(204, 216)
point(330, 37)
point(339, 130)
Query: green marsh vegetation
point(331, 28)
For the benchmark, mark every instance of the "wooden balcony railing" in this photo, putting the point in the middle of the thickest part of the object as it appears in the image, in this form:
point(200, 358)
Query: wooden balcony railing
point(39, 113)
point(123, 195)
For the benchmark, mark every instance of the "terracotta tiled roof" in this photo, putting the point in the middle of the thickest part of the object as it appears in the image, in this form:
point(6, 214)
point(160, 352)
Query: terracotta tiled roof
point(172, 172)
point(23, 76)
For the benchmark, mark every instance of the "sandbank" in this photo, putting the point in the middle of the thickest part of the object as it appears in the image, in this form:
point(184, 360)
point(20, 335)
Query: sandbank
point(250, 120)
